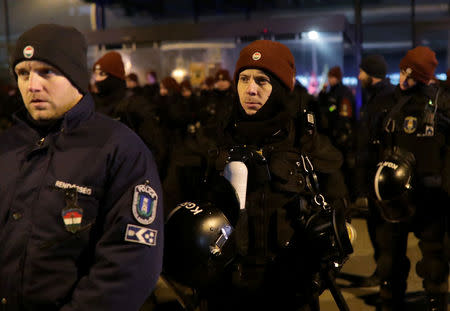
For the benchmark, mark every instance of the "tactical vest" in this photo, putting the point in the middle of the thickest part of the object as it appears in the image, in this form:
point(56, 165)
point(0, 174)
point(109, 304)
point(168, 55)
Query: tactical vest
point(414, 124)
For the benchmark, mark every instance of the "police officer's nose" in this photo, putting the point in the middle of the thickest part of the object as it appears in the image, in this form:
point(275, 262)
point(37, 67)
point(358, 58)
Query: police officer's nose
point(34, 82)
point(252, 87)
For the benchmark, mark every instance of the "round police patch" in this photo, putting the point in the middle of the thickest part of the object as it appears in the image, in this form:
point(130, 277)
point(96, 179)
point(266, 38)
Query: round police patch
point(28, 51)
point(145, 201)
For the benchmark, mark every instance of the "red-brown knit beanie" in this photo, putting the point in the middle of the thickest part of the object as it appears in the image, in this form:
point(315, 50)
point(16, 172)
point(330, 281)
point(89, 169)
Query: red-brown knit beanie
point(186, 84)
point(268, 55)
point(112, 64)
point(335, 72)
point(171, 84)
point(209, 81)
point(222, 74)
point(422, 63)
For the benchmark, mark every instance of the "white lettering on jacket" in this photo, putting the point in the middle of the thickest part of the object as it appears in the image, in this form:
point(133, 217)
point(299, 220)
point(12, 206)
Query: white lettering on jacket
point(80, 189)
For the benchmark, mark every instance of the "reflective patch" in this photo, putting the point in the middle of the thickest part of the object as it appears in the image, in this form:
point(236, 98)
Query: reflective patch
point(28, 51)
point(410, 124)
point(141, 235)
point(145, 201)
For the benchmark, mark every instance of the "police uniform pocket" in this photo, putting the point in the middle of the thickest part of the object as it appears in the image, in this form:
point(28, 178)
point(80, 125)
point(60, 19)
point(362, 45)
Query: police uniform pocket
point(77, 216)
point(287, 172)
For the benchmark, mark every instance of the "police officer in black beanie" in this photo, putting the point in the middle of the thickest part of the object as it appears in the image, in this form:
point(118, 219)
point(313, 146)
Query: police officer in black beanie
point(81, 223)
point(262, 131)
point(372, 74)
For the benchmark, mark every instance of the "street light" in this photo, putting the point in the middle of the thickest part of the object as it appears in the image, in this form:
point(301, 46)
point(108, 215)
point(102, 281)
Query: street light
point(313, 35)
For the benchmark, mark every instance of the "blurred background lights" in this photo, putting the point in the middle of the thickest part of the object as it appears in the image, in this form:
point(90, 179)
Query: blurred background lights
point(179, 74)
point(313, 35)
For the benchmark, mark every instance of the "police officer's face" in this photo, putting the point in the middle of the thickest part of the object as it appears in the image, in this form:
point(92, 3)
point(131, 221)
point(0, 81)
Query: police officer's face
point(405, 81)
point(47, 93)
point(222, 85)
point(254, 89)
point(332, 81)
point(162, 90)
point(99, 75)
point(365, 79)
point(185, 92)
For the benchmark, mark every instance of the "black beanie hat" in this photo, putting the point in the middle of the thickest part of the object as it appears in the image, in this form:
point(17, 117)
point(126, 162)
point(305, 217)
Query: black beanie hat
point(374, 65)
point(60, 46)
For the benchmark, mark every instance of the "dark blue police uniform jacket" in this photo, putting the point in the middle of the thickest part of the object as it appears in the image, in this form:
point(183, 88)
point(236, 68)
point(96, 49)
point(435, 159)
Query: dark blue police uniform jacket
point(81, 218)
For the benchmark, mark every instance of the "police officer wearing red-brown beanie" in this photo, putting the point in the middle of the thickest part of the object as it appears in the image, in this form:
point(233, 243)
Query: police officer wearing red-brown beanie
point(109, 78)
point(416, 132)
point(266, 275)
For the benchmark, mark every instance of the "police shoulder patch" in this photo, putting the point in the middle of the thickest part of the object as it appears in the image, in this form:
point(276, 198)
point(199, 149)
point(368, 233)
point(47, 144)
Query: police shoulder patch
point(410, 124)
point(145, 201)
point(141, 235)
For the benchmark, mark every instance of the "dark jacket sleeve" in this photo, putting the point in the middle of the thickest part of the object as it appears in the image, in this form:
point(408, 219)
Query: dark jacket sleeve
point(123, 273)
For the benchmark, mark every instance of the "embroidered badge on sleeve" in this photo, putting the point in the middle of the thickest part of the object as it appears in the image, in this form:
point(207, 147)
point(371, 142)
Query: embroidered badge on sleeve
point(145, 201)
point(141, 235)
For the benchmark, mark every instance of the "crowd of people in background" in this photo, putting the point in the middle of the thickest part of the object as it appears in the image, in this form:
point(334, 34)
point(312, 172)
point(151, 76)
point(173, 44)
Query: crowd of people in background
point(179, 122)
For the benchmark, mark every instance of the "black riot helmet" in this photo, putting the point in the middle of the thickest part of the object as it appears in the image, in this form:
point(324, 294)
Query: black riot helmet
point(393, 182)
point(329, 234)
point(197, 244)
point(199, 235)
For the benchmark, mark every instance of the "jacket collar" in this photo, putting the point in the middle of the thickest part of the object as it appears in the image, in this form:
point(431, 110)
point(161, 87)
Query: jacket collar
point(79, 113)
point(82, 111)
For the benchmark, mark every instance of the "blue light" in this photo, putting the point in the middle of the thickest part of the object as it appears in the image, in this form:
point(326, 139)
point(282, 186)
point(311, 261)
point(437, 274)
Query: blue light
point(353, 81)
point(350, 81)
point(394, 77)
point(441, 76)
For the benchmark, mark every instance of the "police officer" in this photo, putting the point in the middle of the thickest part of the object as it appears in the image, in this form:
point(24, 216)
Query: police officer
point(376, 87)
point(261, 132)
point(131, 108)
point(81, 208)
point(416, 148)
point(109, 77)
point(337, 119)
